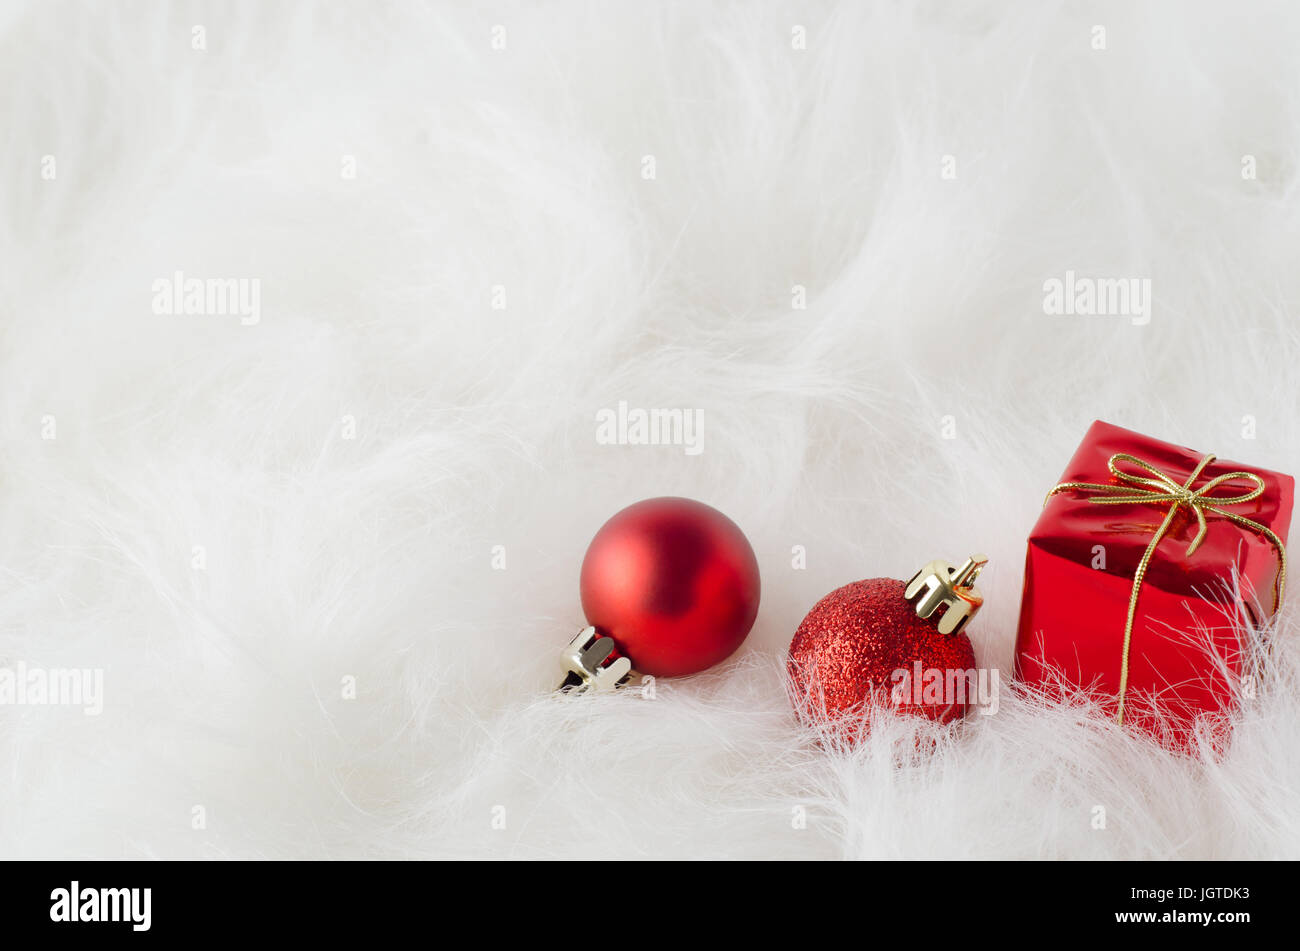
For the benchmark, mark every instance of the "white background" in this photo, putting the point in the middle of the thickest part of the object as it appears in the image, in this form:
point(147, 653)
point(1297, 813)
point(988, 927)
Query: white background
point(522, 168)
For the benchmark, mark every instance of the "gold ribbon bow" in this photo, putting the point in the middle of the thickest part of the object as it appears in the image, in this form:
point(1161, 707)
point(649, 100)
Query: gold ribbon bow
point(1159, 488)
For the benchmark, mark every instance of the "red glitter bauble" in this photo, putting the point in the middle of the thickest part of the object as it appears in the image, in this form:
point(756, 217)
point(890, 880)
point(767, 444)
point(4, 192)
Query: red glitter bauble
point(674, 582)
point(847, 654)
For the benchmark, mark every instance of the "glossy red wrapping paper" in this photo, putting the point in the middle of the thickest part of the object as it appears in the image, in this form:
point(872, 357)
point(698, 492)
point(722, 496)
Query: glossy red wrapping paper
point(1185, 652)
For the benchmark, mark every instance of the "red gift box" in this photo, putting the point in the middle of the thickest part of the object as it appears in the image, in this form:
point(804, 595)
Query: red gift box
point(1123, 520)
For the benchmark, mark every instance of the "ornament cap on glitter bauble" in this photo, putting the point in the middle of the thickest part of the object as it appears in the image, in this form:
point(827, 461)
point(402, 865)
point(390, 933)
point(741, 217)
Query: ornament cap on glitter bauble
point(669, 587)
point(863, 646)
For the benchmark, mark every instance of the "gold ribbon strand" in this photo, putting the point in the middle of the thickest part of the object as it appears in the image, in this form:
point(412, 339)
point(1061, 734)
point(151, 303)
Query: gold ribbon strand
point(1159, 488)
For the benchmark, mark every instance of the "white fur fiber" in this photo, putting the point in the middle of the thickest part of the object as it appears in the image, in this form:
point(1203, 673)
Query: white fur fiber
point(483, 171)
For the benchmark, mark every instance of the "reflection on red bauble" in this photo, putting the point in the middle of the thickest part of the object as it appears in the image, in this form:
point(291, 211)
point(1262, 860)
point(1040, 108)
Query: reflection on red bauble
point(674, 582)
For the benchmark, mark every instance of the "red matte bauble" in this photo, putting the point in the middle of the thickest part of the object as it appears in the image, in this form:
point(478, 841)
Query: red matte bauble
point(674, 582)
point(845, 655)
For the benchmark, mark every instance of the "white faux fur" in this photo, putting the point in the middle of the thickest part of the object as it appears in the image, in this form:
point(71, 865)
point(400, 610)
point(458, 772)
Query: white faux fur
point(181, 506)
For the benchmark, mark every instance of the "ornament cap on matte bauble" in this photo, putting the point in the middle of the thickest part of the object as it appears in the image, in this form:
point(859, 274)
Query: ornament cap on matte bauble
point(949, 591)
point(587, 664)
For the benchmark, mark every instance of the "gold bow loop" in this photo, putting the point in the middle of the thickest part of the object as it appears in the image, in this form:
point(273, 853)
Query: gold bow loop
point(1159, 488)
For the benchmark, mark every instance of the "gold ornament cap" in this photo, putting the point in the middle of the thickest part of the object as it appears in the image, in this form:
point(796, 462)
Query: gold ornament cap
point(586, 665)
point(939, 586)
